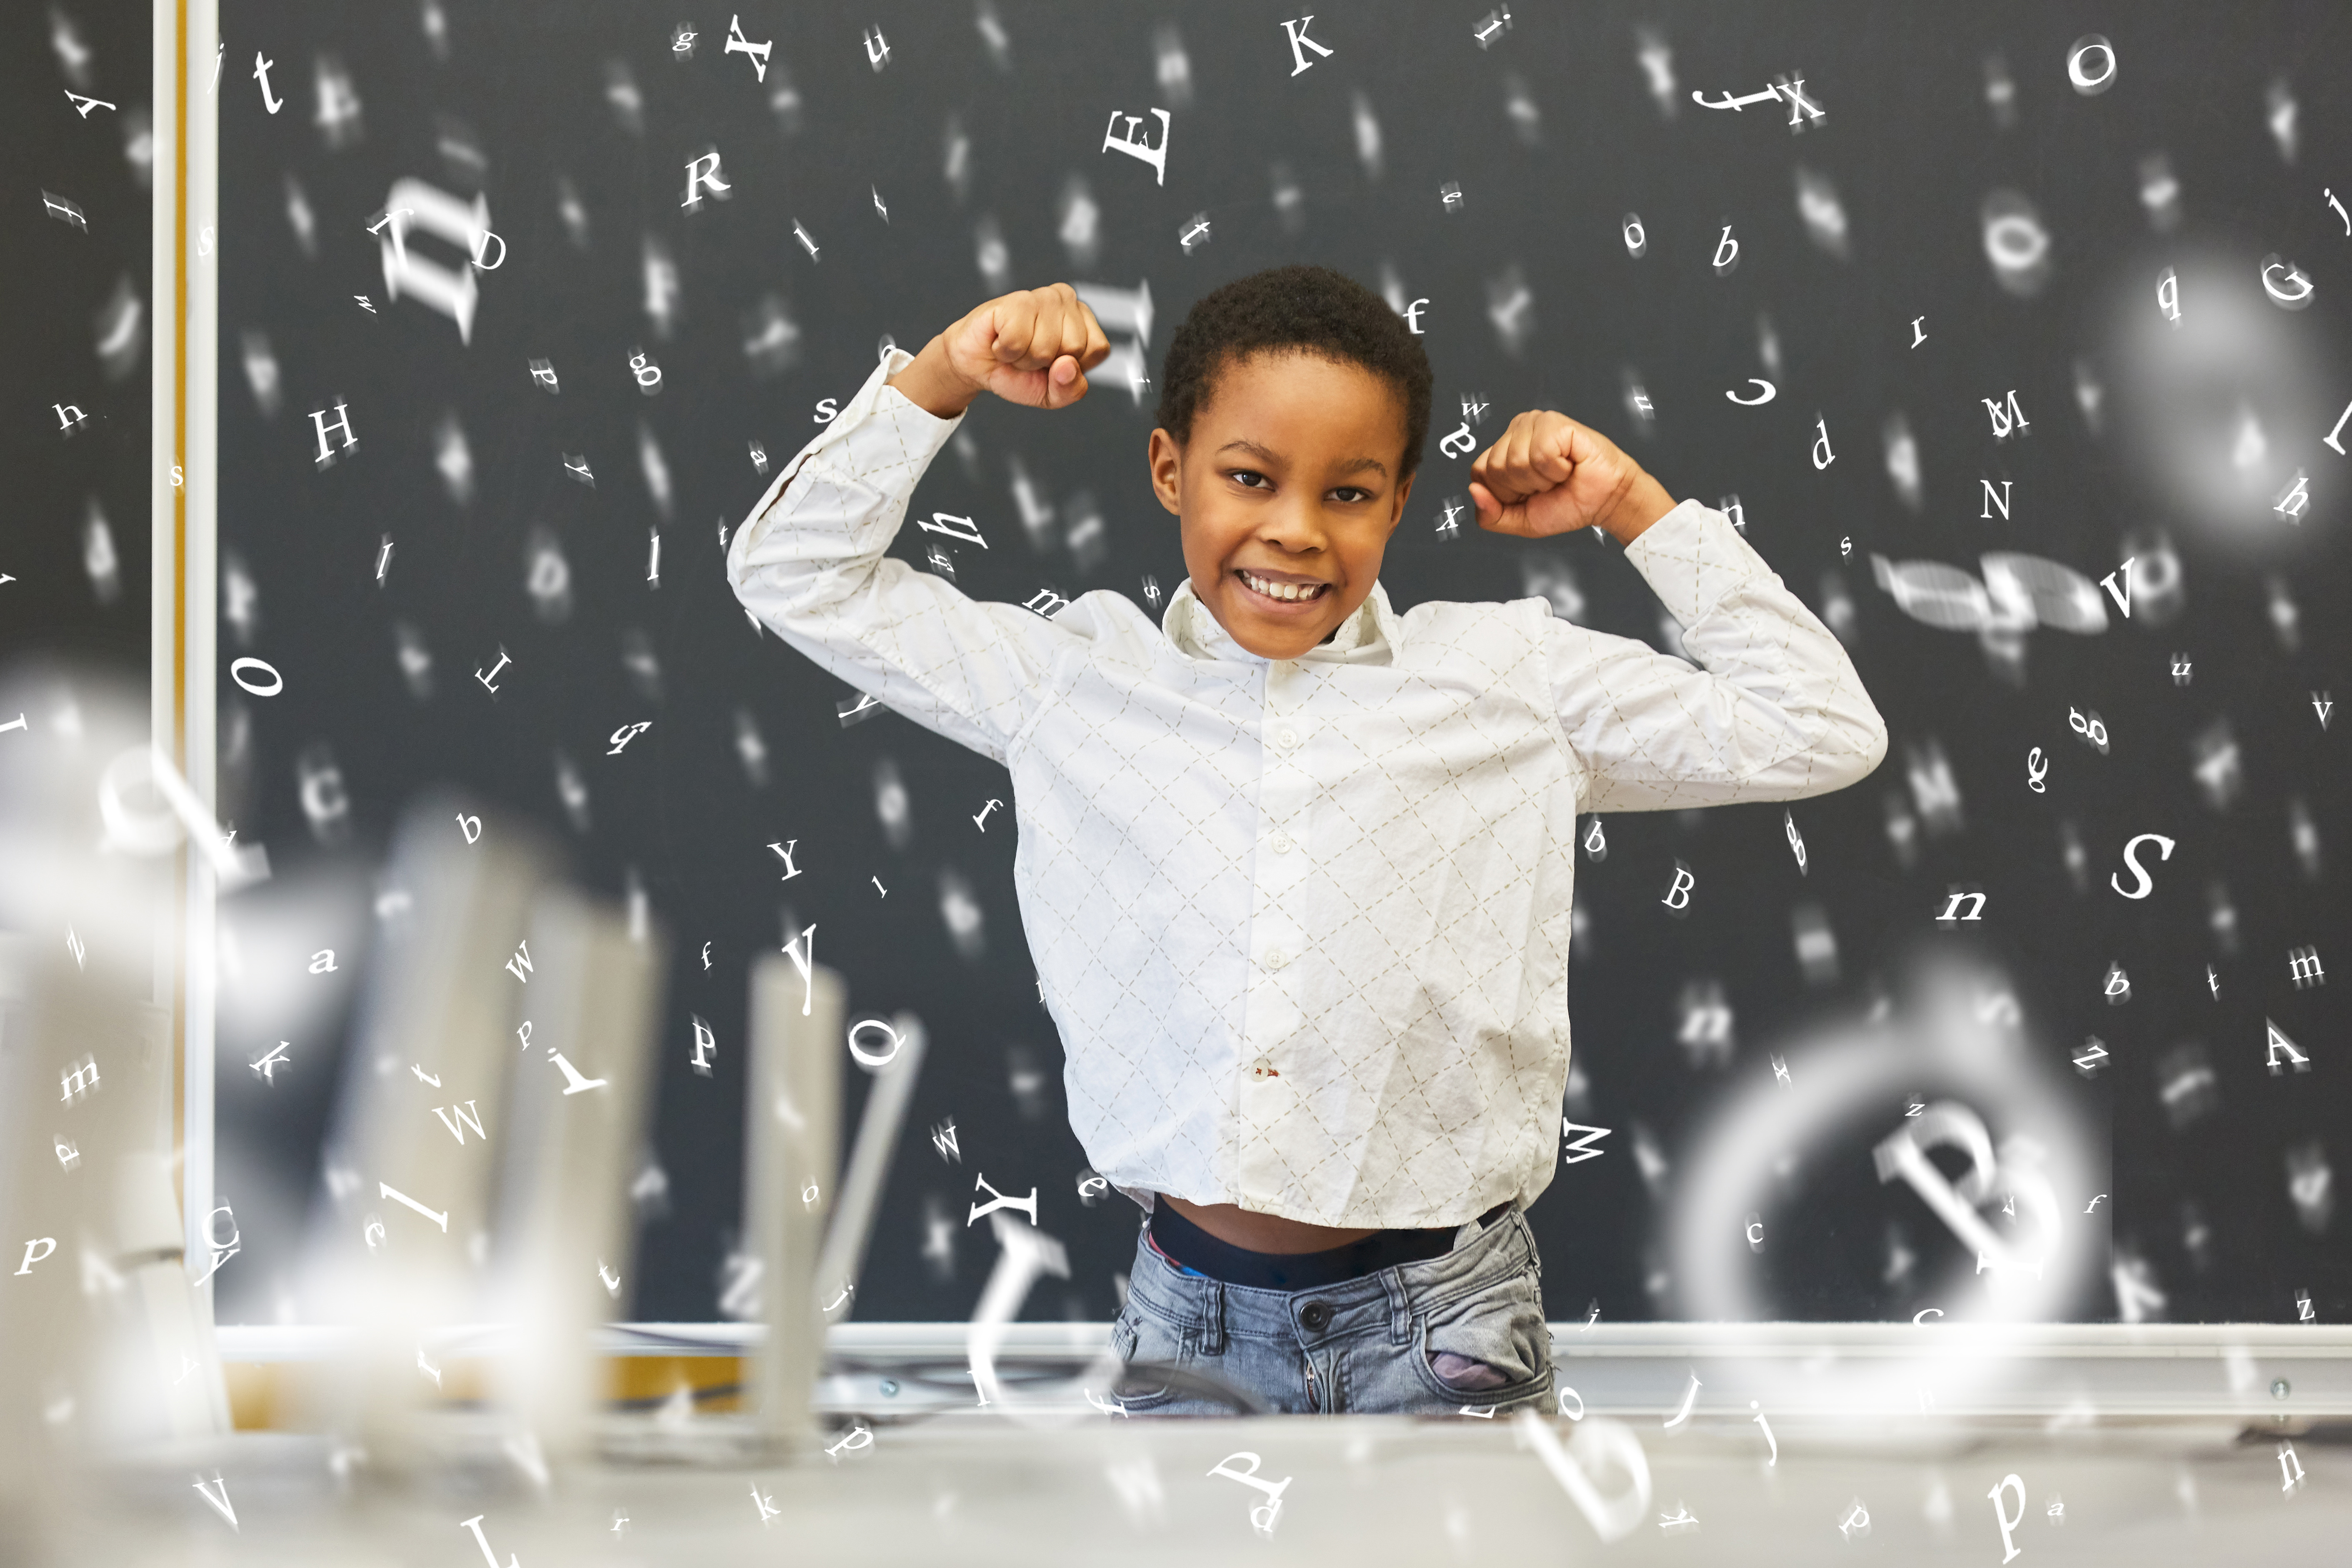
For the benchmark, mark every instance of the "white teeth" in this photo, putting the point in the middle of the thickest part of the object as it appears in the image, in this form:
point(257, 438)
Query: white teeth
point(1287, 590)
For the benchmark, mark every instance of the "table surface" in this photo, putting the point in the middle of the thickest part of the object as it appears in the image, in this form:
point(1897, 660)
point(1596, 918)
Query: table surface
point(978, 1488)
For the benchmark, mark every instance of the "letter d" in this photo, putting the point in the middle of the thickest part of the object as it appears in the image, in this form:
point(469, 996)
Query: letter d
point(1677, 898)
point(49, 1244)
point(1822, 455)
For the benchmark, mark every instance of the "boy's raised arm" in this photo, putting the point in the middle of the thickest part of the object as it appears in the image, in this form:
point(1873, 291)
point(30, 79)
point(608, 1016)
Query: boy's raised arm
point(1776, 713)
point(810, 560)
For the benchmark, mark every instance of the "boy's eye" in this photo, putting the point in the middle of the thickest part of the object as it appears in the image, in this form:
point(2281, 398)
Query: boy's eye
point(1246, 475)
point(1350, 494)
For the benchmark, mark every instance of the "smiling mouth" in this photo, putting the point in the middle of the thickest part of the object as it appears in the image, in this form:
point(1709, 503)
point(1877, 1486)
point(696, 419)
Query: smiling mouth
point(1284, 593)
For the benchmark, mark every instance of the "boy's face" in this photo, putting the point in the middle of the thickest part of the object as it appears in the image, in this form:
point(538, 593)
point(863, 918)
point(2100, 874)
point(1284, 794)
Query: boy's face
point(1290, 478)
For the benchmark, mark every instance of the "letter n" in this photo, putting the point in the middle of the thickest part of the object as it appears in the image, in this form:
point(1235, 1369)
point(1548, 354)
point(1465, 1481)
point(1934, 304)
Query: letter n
point(1992, 500)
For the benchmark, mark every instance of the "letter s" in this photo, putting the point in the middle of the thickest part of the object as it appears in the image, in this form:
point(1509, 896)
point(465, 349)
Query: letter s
point(827, 411)
point(2139, 872)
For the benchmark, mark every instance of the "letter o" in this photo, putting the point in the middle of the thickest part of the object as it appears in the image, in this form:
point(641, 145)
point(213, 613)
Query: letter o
point(236, 672)
point(2090, 86)
point(1637, 238)
point(874, 1060)
point(2015, 242)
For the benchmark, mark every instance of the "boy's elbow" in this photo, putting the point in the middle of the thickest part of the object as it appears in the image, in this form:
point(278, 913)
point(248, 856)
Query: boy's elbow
point(1868, 730)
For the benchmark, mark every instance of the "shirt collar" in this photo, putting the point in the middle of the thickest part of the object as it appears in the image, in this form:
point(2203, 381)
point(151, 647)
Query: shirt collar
point(1371, 636)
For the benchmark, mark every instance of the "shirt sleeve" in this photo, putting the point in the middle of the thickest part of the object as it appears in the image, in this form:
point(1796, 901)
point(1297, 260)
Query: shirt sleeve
point(1776, 713)
point(809, 562)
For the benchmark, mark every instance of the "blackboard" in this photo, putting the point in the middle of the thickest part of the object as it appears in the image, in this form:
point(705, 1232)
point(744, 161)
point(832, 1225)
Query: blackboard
point(1941, 237)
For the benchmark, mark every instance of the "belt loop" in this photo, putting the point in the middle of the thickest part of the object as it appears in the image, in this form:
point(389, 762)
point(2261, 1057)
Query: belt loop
point(1213, 1328)
point(1399, 1307)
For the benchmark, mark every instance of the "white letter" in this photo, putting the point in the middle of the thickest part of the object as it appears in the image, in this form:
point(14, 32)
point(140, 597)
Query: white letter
point(703, 171)
point(2139, 872)
point(1137, 143)
point(1727, 253)
point(2010, 1549)
point(1296, 32)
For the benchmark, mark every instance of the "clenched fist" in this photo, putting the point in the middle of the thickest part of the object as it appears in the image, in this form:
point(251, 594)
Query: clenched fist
point(1033, 347)
point(1549, 475)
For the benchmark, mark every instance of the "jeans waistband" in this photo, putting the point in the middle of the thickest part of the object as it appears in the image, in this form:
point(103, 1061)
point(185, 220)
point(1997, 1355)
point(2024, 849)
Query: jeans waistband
point(1186, 1244)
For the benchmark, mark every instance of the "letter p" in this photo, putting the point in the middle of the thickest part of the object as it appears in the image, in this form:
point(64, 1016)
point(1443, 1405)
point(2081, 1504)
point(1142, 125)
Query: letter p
point(47, 1245)
point(2008, 1522)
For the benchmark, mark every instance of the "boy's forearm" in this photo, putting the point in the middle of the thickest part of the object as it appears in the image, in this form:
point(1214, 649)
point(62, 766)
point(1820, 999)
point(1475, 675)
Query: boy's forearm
point(931, 384)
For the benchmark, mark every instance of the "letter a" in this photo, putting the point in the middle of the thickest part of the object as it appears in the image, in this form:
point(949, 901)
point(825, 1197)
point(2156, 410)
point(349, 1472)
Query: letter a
point(2277, 1041)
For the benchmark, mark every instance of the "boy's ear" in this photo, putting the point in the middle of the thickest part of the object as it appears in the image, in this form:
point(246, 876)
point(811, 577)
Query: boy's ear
point(1405, 493)
point(1167, 459)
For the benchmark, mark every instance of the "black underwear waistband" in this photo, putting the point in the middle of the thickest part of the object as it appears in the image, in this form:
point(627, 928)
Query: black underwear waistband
point(1193, 1247)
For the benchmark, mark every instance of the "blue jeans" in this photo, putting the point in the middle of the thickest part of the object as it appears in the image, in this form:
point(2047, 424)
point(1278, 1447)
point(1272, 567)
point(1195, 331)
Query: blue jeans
point(1374, 1345)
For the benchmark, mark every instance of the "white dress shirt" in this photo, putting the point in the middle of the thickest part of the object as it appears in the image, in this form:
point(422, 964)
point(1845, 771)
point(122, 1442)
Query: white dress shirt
point(1302, 923)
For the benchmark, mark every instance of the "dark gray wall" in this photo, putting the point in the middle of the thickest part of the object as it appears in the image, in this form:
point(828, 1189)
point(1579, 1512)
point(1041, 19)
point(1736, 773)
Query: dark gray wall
point(77, 333)
point(2137, 443)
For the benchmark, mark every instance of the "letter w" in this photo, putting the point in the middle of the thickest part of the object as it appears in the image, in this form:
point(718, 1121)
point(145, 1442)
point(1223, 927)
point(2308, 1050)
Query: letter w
point(467, 1116)
point(2005, 415)
point(520, 964)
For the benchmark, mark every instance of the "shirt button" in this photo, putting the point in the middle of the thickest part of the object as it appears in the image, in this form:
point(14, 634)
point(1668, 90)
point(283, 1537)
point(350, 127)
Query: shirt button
point(1262, 1069)
point(1275, 958)
point(1280, 844)
point(1288, 738)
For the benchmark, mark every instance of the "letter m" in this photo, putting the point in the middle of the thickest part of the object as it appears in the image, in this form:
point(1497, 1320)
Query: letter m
point(520, 964)
point(2005, 415)
point(81, 1078)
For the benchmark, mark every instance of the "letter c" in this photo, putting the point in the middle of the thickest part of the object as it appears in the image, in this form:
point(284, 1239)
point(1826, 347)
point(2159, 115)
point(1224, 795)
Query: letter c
point(2139, 873)
point(1924, 1311)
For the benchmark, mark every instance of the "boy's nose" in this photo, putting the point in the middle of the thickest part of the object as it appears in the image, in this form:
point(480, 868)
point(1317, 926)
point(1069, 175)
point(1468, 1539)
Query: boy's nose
point(1294, 525)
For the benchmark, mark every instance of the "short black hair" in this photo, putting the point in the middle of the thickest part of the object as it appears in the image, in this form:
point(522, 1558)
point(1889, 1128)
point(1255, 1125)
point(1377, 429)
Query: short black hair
point(1310, 310)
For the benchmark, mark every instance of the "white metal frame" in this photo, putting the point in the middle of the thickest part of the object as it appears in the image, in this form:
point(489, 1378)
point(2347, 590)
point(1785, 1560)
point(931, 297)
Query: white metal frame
point(2193, 1369)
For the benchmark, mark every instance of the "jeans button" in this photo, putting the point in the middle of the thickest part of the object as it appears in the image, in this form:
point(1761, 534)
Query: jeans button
point(1316, 1315)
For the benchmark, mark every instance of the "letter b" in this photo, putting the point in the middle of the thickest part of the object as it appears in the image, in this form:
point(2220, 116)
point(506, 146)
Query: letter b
point(1679, 892)
point(1727, 253)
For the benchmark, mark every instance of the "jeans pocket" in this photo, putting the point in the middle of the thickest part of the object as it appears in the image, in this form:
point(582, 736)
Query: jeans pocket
point(1148, 1344)
point(1488, 1347)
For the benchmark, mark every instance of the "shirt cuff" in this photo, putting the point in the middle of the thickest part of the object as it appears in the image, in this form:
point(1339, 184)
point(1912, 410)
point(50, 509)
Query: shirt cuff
point(889, 441)
point(1691, 558)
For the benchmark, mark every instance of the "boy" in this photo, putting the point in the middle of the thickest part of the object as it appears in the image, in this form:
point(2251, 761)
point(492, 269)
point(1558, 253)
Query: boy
point(1296, 869)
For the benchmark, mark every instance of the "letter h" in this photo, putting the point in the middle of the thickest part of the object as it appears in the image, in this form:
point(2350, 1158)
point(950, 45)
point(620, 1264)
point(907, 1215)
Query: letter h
point(342, 421)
